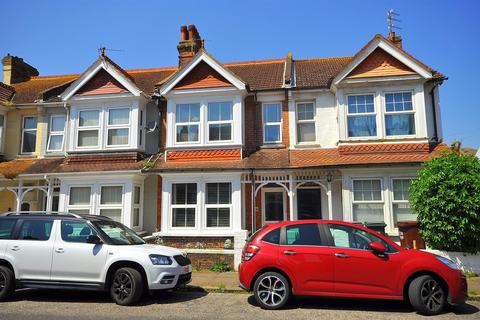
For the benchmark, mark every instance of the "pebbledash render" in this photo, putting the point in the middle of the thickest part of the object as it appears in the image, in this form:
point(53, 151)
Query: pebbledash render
point(198, 156)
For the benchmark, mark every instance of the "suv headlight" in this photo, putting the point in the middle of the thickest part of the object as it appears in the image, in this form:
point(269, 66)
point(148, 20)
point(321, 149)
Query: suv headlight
point(449, 263)
point(160, 260)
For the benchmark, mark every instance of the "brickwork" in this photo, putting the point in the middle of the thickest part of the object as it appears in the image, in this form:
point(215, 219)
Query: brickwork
point(285, 122)
point(207, 260)
point(195, 242)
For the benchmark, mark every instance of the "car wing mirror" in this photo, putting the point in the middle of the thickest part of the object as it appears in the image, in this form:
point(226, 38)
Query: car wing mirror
point(377, 247)
point(94, 239)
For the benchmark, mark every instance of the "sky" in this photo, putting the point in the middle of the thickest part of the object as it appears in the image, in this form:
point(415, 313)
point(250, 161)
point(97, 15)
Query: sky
point(61, 37)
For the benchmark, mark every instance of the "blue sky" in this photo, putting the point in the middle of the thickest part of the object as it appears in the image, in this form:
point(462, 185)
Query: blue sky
point(60, 37)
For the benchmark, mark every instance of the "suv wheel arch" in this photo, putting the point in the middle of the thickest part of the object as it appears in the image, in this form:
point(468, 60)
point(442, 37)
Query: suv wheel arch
point(124, 264)
point(7, 264)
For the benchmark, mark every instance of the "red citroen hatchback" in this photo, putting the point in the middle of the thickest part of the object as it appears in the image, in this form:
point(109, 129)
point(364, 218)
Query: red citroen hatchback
point(340, 259)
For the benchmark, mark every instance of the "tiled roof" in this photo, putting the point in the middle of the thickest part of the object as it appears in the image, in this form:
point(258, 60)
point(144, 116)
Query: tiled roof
point(6, 92)
point(260, 75)
point(318, 73)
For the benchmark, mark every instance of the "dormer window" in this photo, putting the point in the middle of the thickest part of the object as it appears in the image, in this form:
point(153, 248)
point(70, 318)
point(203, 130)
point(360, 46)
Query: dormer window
point(220, 121)
point(361, 117)
point(187, 122)
point(88, 128)
point(399, 114)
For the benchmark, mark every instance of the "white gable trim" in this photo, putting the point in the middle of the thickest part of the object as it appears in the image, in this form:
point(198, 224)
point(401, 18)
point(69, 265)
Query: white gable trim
point(203, 56)
point(390, 49)
point(92, 71)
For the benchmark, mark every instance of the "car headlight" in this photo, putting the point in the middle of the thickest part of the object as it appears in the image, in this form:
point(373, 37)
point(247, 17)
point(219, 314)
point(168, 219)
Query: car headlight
point(160, 260)
point(449, 263)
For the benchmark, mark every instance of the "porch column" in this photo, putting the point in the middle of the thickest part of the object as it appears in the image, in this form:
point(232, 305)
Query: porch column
point(329, 199)
point(19, 194)
point(49, 196)
point(290, 196)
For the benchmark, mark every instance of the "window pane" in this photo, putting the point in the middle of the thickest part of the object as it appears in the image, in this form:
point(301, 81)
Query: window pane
point(187, 112)
point(56, 142)
point(30, 123)
point(2, 120)
point(398, 101)
point(305, 111)
point(80, 196)
point(58, 124)
point(360, 104)
point(184, 193)
point(136, 217)
point(89, 118)
point(88, 138)
point(29, 141)
point(136, 195)
point(79, 211)
point(118, 137)
point(76, 231)
point(306, 132)
point(187, 133)
point(348, 237)
point(273, 206)
point(400, 189)
point(272, 112)
point(6, 228)
point(114, 214)
point(303, 235)
point(218, 217)
point(368, 212)
point(367, 190)
point(403, 212)
point(362, 126)
point(118, 116)
point(35, 230)
point(184, 217)
point(111, 195)
point(400, 124)
point(218, 111)
point(219, 193)
point(272, 133)
point(220, 131)
point(272, 236)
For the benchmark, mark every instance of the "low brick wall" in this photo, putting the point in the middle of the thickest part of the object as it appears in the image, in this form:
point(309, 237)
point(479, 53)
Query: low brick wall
point(195, 242)
point(207, 260)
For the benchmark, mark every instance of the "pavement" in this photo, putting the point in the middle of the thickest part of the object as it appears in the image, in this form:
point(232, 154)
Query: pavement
point(215, 281)
point(52, 305)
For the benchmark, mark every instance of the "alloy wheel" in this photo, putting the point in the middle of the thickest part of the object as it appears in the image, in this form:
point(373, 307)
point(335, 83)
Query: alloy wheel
point(122, 285)
point(272, 291)
point(432, 295)
point(3, 281)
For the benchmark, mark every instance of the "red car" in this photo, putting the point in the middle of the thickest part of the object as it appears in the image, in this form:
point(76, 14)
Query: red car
point(341, 259)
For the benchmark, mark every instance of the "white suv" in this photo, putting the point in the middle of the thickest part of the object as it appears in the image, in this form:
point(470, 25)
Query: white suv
point(69, 251)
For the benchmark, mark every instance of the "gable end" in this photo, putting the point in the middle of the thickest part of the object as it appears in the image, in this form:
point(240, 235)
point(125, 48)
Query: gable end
point(101, 83)
point(202, 76)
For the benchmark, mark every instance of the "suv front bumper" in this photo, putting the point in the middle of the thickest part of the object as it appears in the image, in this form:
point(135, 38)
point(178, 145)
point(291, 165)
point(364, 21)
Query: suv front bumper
point(169, 277)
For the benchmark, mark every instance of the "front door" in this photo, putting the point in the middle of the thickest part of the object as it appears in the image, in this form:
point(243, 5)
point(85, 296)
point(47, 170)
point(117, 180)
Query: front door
point(309, 203)
point(308, 259)
point(73, 258)
point(273, 205)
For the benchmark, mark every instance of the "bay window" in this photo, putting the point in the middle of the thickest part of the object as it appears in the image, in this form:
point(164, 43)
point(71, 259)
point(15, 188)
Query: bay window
point(184, 205)
point(118, 126)
point(220, 120)
point(88, 128)
point(187, 122)
point(29, 135)
point(218, 204)
point(57, 133)
point(306, 122)
point(361, 116)
point(111, 201)
point(399, 114)
point(400, 203)
point(368, 201)
point(272, 122)
point(80, 199)
point(136, 206)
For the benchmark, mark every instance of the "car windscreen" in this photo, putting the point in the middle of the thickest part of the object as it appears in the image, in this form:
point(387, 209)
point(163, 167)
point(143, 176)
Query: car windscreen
point(118, 233)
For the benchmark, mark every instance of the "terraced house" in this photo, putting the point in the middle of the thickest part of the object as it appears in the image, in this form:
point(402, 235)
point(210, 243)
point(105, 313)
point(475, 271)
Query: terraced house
point(203, 153)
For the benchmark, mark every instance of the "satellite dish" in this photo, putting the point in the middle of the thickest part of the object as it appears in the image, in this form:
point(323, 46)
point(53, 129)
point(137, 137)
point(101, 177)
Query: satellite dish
point(151, 126)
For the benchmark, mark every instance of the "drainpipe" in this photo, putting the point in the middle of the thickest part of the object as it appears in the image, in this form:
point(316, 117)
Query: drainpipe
point(67, 129)
point(434, 112)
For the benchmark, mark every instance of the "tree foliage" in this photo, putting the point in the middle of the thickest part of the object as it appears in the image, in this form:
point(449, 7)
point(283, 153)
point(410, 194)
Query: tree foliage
point(446, 196)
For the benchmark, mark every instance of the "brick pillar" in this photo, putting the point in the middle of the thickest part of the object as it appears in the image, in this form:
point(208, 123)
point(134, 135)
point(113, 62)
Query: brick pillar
point(248, 206)
point(159, 203)
point(258, 210)
point(285, 124)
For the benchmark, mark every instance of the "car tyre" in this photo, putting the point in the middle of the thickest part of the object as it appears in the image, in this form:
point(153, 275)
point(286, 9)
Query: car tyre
point(271, 290)
point(7, 283)
point(427, 295)
point(126, 287)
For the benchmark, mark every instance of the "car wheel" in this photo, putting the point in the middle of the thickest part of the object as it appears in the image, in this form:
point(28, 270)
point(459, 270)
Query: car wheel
point(272, 290)
point(7, 283)
point(127, 286)
point(427, 295)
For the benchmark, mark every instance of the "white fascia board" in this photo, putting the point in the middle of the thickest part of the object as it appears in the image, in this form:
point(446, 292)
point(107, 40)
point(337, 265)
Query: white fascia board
point(92, 71)
point(390, 49)
point(167, 87)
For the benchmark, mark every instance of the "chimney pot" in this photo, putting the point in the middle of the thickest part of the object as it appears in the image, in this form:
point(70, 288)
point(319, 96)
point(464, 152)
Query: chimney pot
point(190, 46)
point(183, 33)
point(191, 31)
point(397, 40)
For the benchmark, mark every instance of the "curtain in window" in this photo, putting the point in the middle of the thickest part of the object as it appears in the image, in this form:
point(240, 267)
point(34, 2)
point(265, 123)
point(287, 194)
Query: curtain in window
point(111, 195)
point(119, 116)
point(114, 214)
point(89, 118)
point(88, 138)
point(80, 196)
point(118, 137)
point(400, 124)
point(362, 126)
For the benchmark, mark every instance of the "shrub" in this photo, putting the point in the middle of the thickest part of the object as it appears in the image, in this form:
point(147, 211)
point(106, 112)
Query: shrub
point(221, 266)
point(446, 196)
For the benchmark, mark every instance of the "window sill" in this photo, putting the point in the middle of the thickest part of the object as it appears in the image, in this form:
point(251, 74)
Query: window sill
point(273, 146)
point(307, 145)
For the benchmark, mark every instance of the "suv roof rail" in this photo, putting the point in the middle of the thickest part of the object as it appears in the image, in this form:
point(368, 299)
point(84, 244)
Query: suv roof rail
point(13, 213)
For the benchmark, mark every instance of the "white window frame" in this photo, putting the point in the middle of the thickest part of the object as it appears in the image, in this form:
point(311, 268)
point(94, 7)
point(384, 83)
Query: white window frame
point(89, 128)
point(374, 114)
point(313, 120)
point(111, 206)
point(382, 201)
point(29, 130)
point(230, 122)
point(83, 206)
point(216, 206)
point(138, 206)
point(386, 113)
point(265, 124)
point(184, 206)
point(274, 190)
point(189, 123)
point(56, 133)
point(109, 127)
point(393, 201)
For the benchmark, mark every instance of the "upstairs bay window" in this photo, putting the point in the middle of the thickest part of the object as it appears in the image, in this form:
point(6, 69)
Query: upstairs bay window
point(368, 201)
point(88, 128)
point(399, 114)
point(118, 126)
point(187, 122)
point(57, 133)
point(306, 122)
point(361, 116)
point(220, 121)
point(184, 205)
point(218, 204)
point(272, 123)
point(29, 135)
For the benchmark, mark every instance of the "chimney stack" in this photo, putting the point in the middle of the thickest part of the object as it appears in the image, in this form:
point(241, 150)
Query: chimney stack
point(397, 40)
point(16, 70)
point(190, 43)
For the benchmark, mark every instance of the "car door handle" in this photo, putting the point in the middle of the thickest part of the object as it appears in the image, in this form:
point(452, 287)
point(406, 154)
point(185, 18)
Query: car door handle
point(289, 253)
point(59, 250)
point(15, 248)
point(342, 255)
